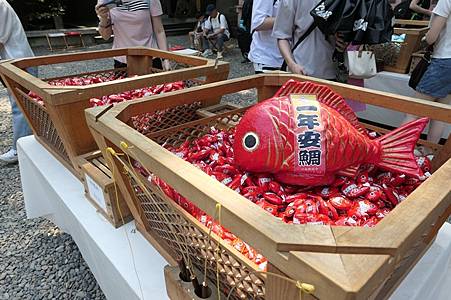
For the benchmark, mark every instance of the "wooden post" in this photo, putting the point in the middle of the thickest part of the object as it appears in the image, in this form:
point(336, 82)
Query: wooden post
point(138, 65)
point(265, 92)
point(443, 155)
point(221, 74)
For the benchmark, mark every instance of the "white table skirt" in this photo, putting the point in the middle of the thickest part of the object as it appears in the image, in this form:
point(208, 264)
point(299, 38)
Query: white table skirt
point(52, 192)
point(391, 83)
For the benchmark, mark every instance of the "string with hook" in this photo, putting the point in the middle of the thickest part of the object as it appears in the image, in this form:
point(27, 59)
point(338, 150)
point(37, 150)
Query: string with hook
point(217, 216)
point(116, 193)
point(131, 172)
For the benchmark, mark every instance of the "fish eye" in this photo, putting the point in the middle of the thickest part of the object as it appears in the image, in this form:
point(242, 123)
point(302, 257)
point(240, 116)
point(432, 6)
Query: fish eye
point(250, 141)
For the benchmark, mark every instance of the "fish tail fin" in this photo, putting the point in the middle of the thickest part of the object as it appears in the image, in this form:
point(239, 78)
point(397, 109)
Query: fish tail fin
point(397, 148)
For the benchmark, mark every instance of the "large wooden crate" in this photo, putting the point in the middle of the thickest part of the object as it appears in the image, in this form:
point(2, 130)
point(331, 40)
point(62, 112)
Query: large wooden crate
point(396, 57)
point(341, 262)
point(60, 124)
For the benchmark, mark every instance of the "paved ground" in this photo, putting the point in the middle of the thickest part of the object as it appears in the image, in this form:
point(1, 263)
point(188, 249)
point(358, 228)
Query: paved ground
point(37, 260)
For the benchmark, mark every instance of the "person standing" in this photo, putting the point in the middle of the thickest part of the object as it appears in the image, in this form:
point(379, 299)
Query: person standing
point(216, 31)
point(135, 23)
point(313, 57)
point(14, 44)
point(435, 85)
point(265, 53)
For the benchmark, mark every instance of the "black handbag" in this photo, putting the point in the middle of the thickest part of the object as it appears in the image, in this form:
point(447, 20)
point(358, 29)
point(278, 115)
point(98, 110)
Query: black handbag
point(420, 69)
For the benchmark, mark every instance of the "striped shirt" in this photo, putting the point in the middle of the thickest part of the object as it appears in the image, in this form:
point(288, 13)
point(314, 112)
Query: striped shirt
point(132, 24)
point(134, 5)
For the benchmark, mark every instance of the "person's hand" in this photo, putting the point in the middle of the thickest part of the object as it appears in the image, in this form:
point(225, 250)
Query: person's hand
point(102, 12)
point(166, 65)
point(297, 69)
point(340, 44)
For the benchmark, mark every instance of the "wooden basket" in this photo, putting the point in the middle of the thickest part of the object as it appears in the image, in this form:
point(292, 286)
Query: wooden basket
point(60, 125)
point(396, 56)
point(349, 263)
point(100, 189)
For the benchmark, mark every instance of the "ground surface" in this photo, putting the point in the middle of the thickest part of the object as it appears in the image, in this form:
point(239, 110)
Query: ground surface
point(37, 260)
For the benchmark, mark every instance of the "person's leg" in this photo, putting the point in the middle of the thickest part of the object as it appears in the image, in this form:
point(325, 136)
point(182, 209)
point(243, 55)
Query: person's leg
point(437, 128)
point(206, 46)
point(191, 36)
point(220, 39)
point(20, 125)
point(157, 63)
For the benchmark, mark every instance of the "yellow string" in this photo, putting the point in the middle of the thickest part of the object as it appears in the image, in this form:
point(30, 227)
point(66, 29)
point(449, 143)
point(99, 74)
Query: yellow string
point(133, 174)
point(218, 208)
point(113, 153)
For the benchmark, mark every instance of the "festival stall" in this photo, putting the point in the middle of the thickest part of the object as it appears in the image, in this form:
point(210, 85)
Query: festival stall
point(203, 215)
point(54, 107)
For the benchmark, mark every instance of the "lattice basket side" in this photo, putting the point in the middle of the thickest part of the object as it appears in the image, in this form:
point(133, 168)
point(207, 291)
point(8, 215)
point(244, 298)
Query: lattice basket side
point(155, 121)
point(182, 235)
point(42, 125)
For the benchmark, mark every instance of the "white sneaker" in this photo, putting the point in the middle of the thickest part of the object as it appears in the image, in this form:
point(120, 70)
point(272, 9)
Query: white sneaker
point(220, 55)
point(207, 53)
point(9, 157)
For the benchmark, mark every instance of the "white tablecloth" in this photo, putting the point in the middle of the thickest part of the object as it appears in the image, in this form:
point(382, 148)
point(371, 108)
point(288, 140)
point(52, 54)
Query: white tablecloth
point(391, 83)
point(53, 192)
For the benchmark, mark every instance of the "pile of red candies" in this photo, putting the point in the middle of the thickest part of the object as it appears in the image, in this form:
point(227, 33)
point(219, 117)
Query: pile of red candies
point(360, 201)
point(114, 98)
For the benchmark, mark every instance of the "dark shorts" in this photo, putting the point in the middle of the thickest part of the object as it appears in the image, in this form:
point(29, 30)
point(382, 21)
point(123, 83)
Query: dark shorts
point(436, 81)
point(156, 64)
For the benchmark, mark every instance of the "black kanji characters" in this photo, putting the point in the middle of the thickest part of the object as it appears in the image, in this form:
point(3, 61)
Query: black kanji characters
point(309, 139)
point(307, 120)
point(310, 157)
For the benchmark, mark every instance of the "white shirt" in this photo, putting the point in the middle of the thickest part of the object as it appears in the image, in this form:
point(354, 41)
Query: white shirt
point(264, 49)
point(442, 47)
point(13, 41)
point(214, 24)
point(315, 52)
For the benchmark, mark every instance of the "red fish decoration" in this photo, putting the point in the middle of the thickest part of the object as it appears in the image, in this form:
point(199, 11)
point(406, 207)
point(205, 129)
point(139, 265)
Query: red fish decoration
point(307, 134)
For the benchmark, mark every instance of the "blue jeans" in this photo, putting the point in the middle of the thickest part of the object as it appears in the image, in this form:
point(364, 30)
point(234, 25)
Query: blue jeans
point(20, 124)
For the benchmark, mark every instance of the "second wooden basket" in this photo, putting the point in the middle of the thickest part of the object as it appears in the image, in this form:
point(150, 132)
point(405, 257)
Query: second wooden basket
point(346, 262)
point(60, 124)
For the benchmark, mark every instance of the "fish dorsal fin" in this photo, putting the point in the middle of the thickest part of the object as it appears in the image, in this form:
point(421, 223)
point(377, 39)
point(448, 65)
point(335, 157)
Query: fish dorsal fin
point(324, 95)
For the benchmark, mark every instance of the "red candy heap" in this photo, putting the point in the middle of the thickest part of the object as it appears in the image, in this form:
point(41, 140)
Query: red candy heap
point(360, 201)
point(114, 98)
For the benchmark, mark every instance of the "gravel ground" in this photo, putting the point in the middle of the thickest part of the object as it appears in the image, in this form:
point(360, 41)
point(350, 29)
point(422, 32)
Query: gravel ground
point(37, 260)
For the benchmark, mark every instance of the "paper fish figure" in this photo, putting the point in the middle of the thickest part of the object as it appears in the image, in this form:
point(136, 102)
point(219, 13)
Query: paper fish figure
point(307, 134)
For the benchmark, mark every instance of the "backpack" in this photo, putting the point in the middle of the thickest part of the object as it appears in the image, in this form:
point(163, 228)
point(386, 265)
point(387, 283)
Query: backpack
point(360, 21)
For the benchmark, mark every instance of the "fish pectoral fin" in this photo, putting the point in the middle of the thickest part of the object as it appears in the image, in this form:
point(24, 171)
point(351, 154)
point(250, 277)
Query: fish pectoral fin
point(349, 171)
